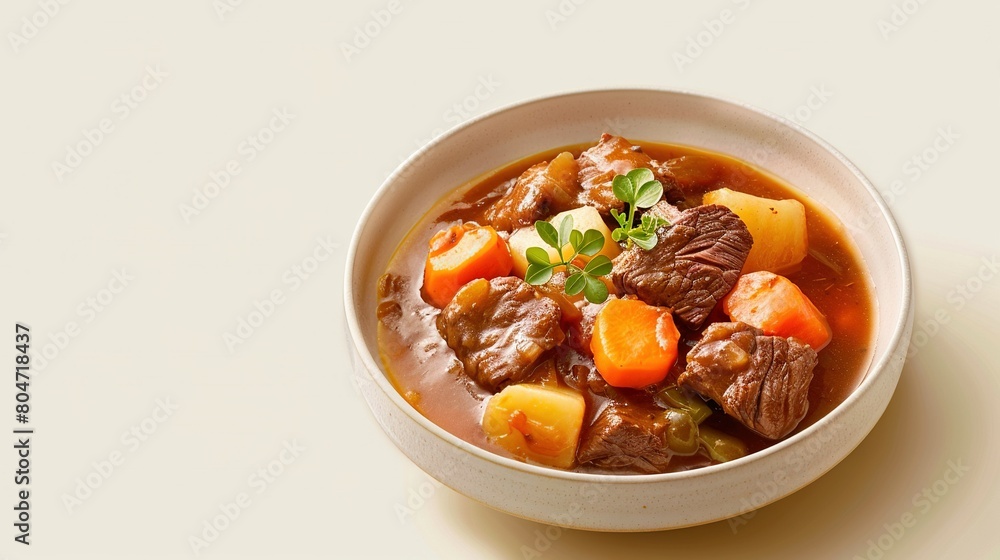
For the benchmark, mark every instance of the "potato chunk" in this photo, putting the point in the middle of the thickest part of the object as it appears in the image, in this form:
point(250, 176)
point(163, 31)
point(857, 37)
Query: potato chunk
point(778, 228)
point(584, 218)
point(537, 423)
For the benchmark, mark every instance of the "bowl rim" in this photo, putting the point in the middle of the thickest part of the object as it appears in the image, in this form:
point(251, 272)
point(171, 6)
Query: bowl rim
point(874, 369)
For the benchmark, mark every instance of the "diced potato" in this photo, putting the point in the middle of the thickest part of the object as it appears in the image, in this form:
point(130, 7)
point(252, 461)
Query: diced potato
point(778, 228)
point(584, 218)
point(537, 423)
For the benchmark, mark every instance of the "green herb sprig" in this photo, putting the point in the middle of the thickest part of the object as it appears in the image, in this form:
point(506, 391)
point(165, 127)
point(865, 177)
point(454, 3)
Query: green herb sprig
point(589, 243)
point(638, 189)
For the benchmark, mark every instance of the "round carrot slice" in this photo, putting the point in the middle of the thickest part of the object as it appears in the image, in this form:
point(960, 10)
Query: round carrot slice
point(461, 254)
point(634, 344)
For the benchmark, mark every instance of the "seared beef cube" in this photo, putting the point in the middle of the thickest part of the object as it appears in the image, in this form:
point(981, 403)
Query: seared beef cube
point(693, 173)
point(581, 333)
point(667, 211)
point(615, 155)
point(499, 329)
point(625, 437)
point(762, 381)
point(695, 263)
point(585, 377)
point(541, 191)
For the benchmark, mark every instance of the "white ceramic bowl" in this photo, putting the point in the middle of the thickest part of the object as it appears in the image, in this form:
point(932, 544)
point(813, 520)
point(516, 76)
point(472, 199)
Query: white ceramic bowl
point(630, 502)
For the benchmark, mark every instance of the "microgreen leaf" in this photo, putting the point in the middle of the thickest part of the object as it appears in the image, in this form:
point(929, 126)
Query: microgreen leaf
point(576, 283)
point(538, 274)
point(576, 240)
point(593, 242)
point(596, 291)
point(599, 266)
point(649, 194)
point(542, 266)
point(637, 189)
point(623, 189)
point(548, 234)
point(640, 177)
point(651, 222)
point(565, 229)
point(618, 216)
point(645, 239)
point(537, 255)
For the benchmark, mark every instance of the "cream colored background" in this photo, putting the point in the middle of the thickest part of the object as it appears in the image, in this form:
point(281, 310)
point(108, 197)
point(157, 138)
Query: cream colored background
point(355, 118)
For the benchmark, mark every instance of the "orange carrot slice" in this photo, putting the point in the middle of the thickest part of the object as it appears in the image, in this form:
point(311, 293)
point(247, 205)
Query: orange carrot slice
point(461, 254)
point(634, 344)
point(778, 307)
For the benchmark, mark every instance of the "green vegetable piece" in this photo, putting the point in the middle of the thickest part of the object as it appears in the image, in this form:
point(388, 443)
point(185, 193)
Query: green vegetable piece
point(685, 400)
point(721, 447)
point(679, 431)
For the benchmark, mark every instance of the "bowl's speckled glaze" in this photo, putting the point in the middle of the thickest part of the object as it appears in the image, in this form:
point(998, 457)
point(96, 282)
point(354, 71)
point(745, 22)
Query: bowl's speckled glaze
point(630, 502)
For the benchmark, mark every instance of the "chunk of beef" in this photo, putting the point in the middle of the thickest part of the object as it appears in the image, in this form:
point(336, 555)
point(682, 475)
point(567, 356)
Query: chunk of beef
point(762, 381)
point(614, 155)
point(499, 329)
point(693, 173)
point(696, 262)
point(541, 191)
point(665, 210)
point(624, 436)
point(581, 333)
